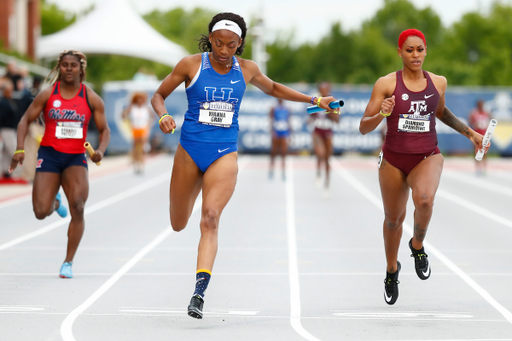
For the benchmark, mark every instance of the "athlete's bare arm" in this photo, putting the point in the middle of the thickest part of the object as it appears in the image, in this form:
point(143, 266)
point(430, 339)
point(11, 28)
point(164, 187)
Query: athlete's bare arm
point(98, 113)
point(32, 113)
point(254, 76)
point(380, 100)
point(183, 72)
point(447, 117)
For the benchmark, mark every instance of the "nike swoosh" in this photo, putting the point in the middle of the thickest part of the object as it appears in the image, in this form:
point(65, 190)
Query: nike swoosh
point(388, 298)
point(228, 24)
point(426, 274)
point(234, 82)
point(428, 96)
point(223, 150)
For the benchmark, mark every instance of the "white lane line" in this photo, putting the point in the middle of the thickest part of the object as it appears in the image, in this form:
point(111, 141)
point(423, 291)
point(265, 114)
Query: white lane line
point(408, 229)
point(474, 208)
point(293, 267)
point(183, 312)
point(477, 182)
point(98, 206)
point(66, 329)
point(93, 180)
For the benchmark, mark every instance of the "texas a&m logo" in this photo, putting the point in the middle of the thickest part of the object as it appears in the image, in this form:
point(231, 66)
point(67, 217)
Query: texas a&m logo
point(417, 107)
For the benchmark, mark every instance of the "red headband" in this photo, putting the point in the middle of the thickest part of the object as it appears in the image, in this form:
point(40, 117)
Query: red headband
point(410, 32)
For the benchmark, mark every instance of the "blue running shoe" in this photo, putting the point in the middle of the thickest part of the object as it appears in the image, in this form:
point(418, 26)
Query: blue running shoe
point(62, 210)
point(65, 270)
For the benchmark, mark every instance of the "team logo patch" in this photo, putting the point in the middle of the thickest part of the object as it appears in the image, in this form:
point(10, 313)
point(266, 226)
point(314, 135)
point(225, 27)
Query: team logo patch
point(57, 103)
point(206, 105)
point(405, 97)
point(39, 162)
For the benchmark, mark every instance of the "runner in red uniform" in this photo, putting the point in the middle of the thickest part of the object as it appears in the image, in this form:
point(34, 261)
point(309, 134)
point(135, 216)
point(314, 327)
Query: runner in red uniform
point(67, 105)
point(411, 99)
point(479, 120)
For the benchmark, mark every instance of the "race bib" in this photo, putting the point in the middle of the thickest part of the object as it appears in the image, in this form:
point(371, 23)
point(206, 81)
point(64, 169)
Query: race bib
point(414, 123)
point(216, 114)
point(281, 125)
point(69, 130)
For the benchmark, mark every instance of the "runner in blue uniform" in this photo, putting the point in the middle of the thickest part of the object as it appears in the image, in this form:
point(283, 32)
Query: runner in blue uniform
point(206, 158)
point(280, 126)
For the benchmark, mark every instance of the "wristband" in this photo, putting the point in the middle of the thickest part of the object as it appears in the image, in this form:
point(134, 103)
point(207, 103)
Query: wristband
point(384, 115)
point(164, 115)
point(318, 101)
point(19, 151)
point(312, 100)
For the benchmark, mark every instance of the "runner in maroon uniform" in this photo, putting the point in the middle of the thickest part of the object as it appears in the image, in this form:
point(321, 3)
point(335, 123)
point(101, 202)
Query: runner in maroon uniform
point(67, 105)
point(479, 120)
point(411, 99)
point(324, 122)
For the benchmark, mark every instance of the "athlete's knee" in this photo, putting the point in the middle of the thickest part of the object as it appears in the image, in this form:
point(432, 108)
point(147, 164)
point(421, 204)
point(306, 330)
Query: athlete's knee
point(393, 222)
point(423, 200)
point(41, 212)
point(77, 208)
point(210, 220)
point(177, 224)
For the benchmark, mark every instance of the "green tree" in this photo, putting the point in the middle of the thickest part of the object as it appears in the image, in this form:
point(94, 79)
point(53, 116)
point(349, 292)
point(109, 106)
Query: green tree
point(53, 19)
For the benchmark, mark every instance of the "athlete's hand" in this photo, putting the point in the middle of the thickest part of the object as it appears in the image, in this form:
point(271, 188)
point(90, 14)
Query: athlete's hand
point(16, 158)
point(167, 125)
point(324, 102)
point(387, 105)
point(477, 140)
point(97, 156)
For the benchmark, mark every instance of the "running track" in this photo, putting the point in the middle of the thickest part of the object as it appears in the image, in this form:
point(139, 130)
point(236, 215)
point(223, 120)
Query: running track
point(292, 264)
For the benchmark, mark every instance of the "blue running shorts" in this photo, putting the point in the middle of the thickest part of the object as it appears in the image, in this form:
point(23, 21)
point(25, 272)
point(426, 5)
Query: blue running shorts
point(52, 161)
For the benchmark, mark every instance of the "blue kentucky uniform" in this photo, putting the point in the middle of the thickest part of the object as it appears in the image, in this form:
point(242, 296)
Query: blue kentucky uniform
point(281, 127)
point(210, 129)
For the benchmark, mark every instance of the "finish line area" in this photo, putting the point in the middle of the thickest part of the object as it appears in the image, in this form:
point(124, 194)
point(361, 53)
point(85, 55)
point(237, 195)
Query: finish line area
point(293, 263)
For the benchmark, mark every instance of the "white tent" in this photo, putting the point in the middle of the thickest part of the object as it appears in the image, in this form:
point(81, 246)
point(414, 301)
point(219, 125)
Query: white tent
point(113, 27)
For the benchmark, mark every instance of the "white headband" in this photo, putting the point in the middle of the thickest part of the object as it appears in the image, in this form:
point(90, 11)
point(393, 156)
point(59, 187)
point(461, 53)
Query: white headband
point(227, 25)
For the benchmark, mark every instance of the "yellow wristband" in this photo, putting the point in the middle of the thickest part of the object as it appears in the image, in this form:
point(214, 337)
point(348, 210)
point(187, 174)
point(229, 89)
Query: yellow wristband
point(19, 151)
point(164, 115)
point(385, 115)
point(318, 101)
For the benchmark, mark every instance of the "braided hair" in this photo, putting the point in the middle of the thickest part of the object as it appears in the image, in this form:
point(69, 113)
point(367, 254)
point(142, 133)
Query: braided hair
point(54, 75)
point(204, 41)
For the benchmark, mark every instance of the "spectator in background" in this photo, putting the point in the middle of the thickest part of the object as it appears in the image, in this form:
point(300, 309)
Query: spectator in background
point(13, 74)
point(479, 120)
point(140, 117)
point(9, 118)
point(280, 128)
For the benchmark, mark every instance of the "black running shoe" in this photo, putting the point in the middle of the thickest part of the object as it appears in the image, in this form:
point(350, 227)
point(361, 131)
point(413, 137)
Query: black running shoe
point(195, 309)
point(420, 262)
point(391, 286)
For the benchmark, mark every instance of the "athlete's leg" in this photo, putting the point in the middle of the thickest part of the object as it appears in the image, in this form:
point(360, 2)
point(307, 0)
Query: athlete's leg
point(284, 151)
point(319, 148)
point(218, 187)
point(395, 192)
point(186, 181)
point(273, 153)
point(75, 183)
point(424, 181)
point(44, 191)
point(328, 154)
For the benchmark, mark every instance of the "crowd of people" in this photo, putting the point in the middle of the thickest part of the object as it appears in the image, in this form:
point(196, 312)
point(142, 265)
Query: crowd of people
point(17, 91)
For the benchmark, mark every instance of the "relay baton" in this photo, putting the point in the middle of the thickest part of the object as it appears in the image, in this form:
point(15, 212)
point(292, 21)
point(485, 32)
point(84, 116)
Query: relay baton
point(333, 105)
point(91, 151)
point(487, 138)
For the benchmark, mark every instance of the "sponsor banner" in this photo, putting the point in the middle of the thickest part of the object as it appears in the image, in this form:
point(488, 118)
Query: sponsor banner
point(255, 136)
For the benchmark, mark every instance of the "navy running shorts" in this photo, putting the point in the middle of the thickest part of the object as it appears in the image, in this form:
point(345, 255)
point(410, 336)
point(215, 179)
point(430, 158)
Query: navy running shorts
point(52, 161)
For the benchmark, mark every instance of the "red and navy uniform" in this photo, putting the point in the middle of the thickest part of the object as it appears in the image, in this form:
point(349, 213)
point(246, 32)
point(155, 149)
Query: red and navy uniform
point(66, 122)
point(411, 136)
point(65, 117)
point(479, 121)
